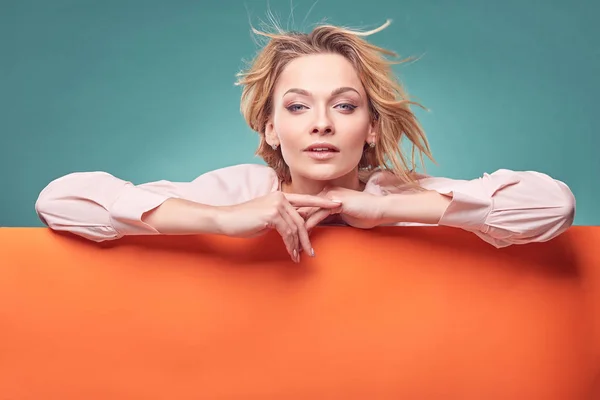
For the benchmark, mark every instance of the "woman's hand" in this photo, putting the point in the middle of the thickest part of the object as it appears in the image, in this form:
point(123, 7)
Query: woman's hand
point(358, 209)
point(274, 211)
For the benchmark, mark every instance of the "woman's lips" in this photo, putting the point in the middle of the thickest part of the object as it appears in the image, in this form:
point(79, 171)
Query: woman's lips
point(321, 153)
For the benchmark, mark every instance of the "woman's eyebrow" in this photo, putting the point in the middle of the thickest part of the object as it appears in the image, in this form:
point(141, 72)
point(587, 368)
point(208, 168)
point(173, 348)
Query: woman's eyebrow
point(335, 92)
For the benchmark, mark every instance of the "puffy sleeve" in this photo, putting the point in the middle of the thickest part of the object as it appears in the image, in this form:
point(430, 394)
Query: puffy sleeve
point(507, 207)
point(100, 206)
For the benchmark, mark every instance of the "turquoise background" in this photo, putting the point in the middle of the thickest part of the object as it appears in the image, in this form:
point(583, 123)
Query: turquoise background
point(144, 89)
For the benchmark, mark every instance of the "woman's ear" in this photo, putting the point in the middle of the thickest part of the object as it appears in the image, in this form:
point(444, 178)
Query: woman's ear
point(270, 134)
point(372, 135)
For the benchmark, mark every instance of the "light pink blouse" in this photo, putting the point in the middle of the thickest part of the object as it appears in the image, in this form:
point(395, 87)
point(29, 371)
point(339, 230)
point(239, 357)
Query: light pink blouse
point(503, 208)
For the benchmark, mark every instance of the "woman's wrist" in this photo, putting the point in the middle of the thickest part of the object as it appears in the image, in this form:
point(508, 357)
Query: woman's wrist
point(183, 217)
point(425, 207)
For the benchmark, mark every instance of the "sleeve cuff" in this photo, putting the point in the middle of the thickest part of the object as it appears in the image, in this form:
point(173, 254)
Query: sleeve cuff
point(466, 211)
point(126, 212)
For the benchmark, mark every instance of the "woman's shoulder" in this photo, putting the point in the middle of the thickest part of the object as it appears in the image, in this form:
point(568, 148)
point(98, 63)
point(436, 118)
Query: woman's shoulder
point(385, 182)
point(249, 178)
point(242, 169)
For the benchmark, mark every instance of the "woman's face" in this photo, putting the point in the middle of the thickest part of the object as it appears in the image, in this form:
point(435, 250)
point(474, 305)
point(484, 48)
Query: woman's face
point(320, 117)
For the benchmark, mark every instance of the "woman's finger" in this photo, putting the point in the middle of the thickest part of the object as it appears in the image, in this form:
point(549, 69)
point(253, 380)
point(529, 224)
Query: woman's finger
point(306, 200)
point(292, 230)
point(316, 218)
point(302, 233)
point(306, 212)
point(285, 231)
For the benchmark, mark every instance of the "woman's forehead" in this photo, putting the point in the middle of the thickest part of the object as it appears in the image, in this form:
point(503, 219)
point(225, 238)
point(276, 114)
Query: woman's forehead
point(318, 74)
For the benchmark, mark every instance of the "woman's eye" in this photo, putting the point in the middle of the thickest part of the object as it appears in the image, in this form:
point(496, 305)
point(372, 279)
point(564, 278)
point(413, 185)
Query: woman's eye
point(300, 107)
point(295, 107)
point(346, 106)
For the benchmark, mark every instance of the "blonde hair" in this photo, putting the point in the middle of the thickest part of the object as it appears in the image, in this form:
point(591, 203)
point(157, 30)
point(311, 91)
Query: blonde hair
point(389, 105)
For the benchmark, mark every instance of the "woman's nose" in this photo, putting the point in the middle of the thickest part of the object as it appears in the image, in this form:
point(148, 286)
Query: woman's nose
point(323, 126)
point(323, 130)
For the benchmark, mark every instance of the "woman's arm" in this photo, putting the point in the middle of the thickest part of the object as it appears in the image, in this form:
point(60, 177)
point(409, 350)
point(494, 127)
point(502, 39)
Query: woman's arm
point(420, 207)
point(100, 206)
point(503, 208)
point(183, 217)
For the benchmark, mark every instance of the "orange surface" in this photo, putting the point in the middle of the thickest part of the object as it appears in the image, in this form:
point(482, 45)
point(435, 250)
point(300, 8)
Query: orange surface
point(393, 313)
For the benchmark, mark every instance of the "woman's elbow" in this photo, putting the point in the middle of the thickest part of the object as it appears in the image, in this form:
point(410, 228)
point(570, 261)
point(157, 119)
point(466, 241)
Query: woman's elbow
point(565, 213)
point(538, 209)
point(75, 203)
point(556, 216)
point(48, 203)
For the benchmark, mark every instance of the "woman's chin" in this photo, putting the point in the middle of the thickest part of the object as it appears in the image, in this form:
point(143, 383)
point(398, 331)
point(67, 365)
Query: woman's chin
point(324, 172)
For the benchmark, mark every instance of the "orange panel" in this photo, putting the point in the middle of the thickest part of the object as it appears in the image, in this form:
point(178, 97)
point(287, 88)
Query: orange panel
point(391, 313)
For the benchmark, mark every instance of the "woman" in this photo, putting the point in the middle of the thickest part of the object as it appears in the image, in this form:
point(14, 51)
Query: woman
point(330, 116)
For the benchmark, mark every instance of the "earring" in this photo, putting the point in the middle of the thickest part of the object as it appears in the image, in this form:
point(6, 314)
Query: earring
point(372, 144)
point(274, 146)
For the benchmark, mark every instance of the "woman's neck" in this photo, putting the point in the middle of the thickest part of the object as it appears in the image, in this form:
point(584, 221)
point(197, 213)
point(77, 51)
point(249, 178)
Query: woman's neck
point(302, 185)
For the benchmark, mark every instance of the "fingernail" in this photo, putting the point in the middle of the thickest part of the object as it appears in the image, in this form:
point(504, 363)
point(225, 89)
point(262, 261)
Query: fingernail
point(337, 201)
point(312, 252)
point(295, 255)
